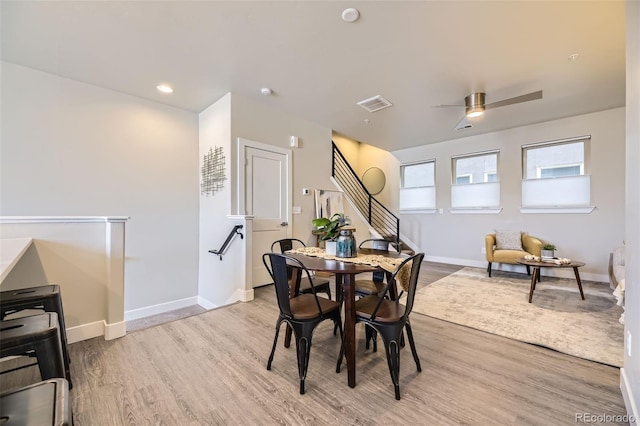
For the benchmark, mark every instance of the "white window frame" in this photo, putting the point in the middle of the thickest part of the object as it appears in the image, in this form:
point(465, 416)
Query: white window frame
point(563, 194)
point(475, 197)
point(486, 176)
point(412, 196)
point(558, 166)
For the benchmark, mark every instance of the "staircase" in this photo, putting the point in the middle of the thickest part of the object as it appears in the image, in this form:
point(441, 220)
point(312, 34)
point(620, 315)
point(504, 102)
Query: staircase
point(380, 218)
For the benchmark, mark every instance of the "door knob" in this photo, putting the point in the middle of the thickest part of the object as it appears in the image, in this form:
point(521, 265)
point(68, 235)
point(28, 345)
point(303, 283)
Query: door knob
point(284, 224)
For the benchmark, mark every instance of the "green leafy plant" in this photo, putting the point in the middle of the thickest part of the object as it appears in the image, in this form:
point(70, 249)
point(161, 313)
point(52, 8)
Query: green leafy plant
point(548, 246)
point(329, 229)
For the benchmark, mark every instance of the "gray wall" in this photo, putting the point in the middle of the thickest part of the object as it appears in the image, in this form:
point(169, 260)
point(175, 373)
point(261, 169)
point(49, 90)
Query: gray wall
point(262, 122)
point(586, 237)
point(72, 149)
point(631, 371)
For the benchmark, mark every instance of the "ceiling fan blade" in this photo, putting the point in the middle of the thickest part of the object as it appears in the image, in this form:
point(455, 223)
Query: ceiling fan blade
point(448, 106)
point(522, 98)
point(464, 123)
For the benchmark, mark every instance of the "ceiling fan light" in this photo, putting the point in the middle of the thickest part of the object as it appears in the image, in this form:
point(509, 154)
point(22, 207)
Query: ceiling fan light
point(475, 112)
point(475, 104)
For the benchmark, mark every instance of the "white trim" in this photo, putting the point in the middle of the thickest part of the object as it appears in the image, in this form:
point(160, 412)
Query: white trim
point(417, 211)
point(240, 295)
point(556, 142)
point(557, 210)
point(629, 400)
point(160, 308)
point(114, 331)
point(62, 219)
point(240, 217)
point(206, 303)
point(476, 210)
point(85, 331)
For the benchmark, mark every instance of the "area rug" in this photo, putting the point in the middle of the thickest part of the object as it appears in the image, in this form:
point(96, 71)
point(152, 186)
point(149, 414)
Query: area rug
point(557, 318)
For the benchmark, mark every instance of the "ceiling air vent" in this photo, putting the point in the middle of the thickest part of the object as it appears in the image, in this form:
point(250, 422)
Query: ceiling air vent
point(375, 104)
point(464, 126)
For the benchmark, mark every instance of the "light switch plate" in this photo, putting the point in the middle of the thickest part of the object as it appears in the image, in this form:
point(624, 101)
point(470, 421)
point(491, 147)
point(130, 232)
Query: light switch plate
point(297, 210)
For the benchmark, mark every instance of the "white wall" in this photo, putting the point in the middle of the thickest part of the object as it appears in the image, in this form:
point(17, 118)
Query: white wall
point(459, 238)
point(220, 282)
point(630, 380)
point(72, 149)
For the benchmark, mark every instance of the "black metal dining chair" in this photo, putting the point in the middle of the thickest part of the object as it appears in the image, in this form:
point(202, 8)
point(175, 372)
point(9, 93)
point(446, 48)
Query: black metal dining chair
point(302, 312)
point(319, 284)
point(375, 285)
point(389, 317)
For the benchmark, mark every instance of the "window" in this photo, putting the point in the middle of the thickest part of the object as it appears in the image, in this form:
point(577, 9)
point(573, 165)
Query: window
point(468, 178)
point(417, 187)
point(555, 175)
point(475, 183)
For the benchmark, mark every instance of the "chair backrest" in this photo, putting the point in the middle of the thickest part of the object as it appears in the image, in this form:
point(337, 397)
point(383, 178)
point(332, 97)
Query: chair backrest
point(279, 265)
point(416, 263)
point(378, 244)
point(286, 244)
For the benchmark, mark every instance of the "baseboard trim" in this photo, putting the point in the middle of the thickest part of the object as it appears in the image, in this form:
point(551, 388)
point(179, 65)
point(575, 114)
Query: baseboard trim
point(85, 331)
point(114, 331)
point(160, 308)
point(547, 272)
point(240, 296)
point(205, 303)
point(629, 400)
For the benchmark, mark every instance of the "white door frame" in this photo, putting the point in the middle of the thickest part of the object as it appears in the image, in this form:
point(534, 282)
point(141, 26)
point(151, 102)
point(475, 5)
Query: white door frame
point(242, 160)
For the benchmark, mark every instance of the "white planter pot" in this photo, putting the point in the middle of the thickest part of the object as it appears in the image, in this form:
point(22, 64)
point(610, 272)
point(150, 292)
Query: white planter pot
point(547, 253)
point(330, 247)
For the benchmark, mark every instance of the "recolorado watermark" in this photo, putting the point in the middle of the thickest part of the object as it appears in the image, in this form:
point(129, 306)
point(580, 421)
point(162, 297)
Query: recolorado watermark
point(604, 418)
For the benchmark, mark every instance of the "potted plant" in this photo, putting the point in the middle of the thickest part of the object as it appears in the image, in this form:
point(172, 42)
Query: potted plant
point(328, 230)
point(548, 250)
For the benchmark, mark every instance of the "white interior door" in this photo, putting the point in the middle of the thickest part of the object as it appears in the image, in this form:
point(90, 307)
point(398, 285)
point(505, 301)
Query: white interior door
point(267, 199)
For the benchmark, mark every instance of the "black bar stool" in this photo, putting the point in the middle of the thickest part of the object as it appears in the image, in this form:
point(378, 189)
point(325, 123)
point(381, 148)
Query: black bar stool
point(43, 403)
point(37, 335)
point(46, 298)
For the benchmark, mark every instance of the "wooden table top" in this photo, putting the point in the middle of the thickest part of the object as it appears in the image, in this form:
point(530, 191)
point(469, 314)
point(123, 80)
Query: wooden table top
point(540, 264)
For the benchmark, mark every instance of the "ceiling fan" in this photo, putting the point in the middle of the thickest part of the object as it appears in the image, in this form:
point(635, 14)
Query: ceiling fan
point(475, 105)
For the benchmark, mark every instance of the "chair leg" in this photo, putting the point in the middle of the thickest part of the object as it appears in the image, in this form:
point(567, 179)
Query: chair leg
point(275, 342)
point(413, 346)
point(528, 270)
point(303, 347)
point(489, 269)
point(341, 354)
point(393, 360)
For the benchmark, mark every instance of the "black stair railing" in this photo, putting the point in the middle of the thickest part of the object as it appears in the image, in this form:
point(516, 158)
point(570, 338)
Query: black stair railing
point(236, 230)
point(379, 217)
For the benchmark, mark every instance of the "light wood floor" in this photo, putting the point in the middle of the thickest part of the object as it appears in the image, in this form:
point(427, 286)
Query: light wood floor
point(210, 369)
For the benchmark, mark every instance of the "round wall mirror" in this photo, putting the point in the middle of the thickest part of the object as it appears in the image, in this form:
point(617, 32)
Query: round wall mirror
point(374, 180)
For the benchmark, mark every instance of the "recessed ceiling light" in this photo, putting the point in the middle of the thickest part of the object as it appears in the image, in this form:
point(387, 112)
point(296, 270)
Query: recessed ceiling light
point(573, 57)
point(164, 88)
point(266, 91)
point(367, 121)
point(350, 15)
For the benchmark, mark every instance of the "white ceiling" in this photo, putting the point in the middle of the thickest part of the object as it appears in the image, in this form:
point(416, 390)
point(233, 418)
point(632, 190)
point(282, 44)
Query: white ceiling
point(415, 54)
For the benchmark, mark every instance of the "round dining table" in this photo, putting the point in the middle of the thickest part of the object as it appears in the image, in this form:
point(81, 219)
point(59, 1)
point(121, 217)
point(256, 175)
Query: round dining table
point(345, 273)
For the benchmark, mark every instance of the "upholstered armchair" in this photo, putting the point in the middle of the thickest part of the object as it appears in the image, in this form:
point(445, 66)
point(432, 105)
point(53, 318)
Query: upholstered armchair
point(509, 246)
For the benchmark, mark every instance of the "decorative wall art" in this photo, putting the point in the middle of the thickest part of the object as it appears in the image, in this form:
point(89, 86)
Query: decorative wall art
point(328, 202)
point(212, 171)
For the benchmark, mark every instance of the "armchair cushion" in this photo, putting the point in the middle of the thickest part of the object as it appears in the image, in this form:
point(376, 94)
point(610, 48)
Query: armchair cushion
point(508, 240)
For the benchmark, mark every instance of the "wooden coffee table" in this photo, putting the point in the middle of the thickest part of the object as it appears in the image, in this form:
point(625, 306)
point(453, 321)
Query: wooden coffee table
point(535, 277)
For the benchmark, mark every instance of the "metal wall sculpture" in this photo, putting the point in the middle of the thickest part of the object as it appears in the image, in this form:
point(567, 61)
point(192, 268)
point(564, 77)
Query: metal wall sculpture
point(212, 171)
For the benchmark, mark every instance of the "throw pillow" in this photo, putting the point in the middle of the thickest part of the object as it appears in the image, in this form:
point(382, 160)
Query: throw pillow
point(508, 240)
